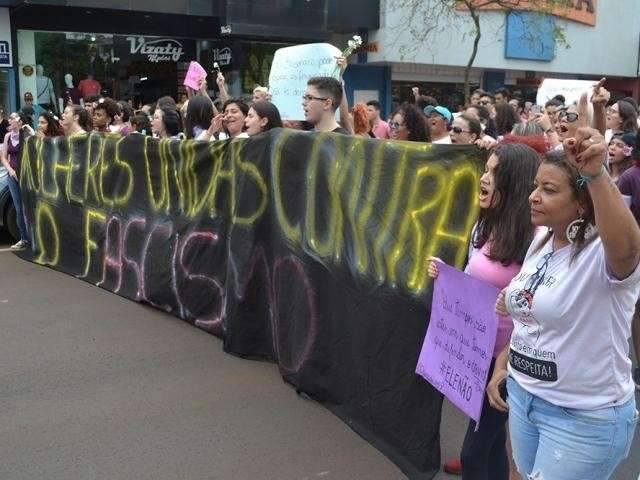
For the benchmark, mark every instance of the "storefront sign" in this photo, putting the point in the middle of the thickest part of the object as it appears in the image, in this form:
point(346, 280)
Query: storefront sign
point(5, 39)
point(369, 47)
point(223, 56)
point(153, 49)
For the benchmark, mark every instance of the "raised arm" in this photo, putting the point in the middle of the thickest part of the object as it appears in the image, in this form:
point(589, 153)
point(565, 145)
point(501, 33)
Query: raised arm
point(616, 225)
point(203, 90)
point(416, 94)
point(550, 132)
point(599, 99)
point(224, 95)
point(346, 120)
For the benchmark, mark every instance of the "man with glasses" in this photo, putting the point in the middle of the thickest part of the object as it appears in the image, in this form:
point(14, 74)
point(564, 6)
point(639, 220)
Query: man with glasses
point(320, 102)
point(438, 120)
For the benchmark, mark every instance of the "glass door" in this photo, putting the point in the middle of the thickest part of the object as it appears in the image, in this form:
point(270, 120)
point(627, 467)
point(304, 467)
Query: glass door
point(7, 90)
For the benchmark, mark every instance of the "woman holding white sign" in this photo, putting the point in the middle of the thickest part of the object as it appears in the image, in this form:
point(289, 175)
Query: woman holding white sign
point(498, 246)
point(572, 412)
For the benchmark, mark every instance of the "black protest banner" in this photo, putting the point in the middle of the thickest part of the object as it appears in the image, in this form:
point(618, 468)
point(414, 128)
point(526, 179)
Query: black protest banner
point(306, 249)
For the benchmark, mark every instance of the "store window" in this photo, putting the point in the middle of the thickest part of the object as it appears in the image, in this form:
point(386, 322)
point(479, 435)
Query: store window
point(126, 67)
point(6, 105)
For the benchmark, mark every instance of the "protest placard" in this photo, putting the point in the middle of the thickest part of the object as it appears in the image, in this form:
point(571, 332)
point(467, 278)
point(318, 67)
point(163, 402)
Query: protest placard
point(458, 348)
point(195, 73)
point(570, 89)
point(290, 70)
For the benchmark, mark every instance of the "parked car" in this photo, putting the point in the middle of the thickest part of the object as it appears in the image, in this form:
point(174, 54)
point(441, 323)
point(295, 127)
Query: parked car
point(7, 210)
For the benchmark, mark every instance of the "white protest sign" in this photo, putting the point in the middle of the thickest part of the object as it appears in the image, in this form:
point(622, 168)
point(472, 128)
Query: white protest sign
point(290, 70)
point(571, 89)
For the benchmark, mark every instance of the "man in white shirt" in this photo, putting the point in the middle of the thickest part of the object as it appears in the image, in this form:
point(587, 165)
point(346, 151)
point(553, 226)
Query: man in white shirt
point(439, 120)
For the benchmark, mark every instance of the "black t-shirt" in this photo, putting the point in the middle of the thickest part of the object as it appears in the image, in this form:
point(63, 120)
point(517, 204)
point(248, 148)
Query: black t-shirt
point(4, 128)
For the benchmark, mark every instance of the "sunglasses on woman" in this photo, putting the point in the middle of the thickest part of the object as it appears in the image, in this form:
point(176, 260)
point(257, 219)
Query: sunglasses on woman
point(395, 125)
point(570, 116)
point(458, 130)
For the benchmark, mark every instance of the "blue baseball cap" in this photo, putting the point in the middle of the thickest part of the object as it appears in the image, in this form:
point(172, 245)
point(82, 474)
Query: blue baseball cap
point(444, 112)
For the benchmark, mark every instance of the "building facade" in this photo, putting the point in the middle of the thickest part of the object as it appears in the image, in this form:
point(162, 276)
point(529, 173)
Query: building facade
point(140, 50)
point(602, 36)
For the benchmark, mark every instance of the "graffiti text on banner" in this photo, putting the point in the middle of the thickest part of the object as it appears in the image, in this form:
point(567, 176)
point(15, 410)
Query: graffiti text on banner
point(279, 244)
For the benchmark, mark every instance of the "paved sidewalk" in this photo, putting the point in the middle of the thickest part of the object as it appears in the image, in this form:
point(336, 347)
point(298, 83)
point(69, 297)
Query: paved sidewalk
point(98, 387)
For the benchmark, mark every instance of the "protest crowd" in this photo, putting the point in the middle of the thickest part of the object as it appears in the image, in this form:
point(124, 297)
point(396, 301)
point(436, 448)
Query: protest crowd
point(557, 233)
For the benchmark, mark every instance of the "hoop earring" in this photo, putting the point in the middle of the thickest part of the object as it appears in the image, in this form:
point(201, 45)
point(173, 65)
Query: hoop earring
point(575, 226)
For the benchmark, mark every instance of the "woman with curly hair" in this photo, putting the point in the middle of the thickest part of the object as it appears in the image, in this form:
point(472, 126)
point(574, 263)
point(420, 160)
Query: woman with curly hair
point(49, 125)
point(408, 123)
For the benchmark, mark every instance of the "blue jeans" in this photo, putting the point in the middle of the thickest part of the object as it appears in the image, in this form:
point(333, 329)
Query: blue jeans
point(14, 189)
point(484, 453)
point(551, 442)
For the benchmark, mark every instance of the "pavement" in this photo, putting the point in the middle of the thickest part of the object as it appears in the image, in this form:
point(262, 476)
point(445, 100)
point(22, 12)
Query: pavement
point(94, 386)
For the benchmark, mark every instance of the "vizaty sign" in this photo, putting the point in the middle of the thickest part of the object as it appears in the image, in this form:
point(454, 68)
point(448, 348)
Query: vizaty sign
point(160, 50)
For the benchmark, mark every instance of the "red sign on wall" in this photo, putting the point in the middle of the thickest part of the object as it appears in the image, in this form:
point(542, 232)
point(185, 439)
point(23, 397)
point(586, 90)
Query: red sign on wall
point(581, 11)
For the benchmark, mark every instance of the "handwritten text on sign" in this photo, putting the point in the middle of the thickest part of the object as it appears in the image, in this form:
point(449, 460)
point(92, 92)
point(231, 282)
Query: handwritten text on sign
point(570, 89)
point(290, 70)
point(195, 73)
point(457, 351)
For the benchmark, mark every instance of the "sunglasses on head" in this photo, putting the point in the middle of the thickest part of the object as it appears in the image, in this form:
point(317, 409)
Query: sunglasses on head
point(458, 130)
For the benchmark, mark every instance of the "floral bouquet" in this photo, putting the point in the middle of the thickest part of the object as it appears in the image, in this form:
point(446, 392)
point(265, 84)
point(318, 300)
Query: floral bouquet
point(352, 46)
